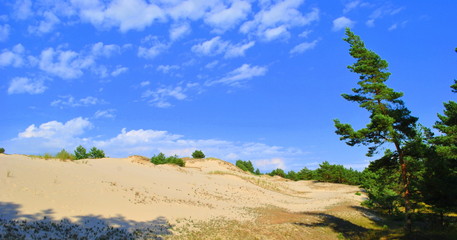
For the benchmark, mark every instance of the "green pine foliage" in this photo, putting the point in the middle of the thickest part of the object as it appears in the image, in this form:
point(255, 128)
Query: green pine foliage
point(81, 153)
point(2, 150)
point(162, 159)
point(96, 153)
point(390, 121)
point(198, 154)
point(245, 165)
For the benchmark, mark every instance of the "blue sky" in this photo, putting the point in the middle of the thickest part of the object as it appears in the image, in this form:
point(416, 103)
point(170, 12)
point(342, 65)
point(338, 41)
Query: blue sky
point(239, 79)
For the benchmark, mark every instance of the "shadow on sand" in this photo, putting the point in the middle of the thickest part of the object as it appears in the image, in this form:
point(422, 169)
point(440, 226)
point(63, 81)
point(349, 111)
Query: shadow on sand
point(14, 225)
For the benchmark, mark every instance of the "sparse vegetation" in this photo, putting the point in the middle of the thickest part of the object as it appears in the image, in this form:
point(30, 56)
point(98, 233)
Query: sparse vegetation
point(198, 154)
point(162, 159)
point(64, 155)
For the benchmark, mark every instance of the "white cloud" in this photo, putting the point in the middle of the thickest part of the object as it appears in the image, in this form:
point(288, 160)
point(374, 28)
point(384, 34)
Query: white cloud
point(167, 68)
point(50, 20)
point(235, 77)
point(238, 50)
point(276, 33)
point(52, 136)
point(154, 49)
point(211, 47)
point(13, 57)
point(26, 85)
point(105, 50)
point(212, 64)
point(23, 9)
point(380, 13)
point(305, 34)
point(52, 129)
point(189, 9)
point(302, 47)
point(124, 14)
point(178, 31)
point(351, 6)
point(70, 101)
point(217, 46)
point(145, 83)
point(161, 96)
point(119, 70)
point(341, 23)
point(109, 113)
point(223, 18)
point(64, 64)
point(276, 20)
point(271, 164)
point(4, 32)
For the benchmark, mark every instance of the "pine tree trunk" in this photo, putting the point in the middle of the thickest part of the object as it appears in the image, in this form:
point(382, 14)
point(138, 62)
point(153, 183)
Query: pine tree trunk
point(405, 183)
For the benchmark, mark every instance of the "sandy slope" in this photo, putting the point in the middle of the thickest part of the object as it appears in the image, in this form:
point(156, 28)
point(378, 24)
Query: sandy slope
point(132, 190)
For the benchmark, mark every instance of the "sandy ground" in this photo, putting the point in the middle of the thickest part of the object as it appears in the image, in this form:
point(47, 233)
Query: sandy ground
point(131, 191)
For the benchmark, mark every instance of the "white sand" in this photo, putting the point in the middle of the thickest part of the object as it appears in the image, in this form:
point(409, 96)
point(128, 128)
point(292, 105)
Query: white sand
point(133, 190)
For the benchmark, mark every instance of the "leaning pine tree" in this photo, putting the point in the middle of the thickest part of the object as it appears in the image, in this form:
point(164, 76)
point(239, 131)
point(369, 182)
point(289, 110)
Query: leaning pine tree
point(390, 121)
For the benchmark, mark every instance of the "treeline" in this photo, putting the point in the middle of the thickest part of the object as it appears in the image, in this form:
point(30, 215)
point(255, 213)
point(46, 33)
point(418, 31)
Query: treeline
point(325, 173)
point(79, 153)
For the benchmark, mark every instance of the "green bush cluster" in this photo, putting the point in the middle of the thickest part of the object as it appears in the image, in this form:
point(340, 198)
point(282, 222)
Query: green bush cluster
point(198, 154)
point(2, 150)
point(247, 166)
point(81, 153)
point(162, 159)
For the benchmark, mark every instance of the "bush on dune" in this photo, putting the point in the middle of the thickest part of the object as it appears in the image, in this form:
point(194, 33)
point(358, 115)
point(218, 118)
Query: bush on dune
point(162, 159)
point(2, 150)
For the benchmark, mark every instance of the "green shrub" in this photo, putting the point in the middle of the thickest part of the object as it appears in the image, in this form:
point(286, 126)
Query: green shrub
point(278, 172)
point(96, 153)
point(47, 156)
point(198, 154)
point(2, 150)
point(162, 159)
point(245, 165)
point(64, 155)
point(81, 153)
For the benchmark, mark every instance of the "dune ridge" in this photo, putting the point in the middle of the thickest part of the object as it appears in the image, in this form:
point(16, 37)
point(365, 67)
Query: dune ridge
point(132, 191)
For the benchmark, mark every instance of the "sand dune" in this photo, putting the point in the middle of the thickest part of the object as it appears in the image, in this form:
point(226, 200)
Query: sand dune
point(132, 191)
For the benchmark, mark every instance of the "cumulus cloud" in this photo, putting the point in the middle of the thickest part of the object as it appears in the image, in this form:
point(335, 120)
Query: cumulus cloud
point(23, 9)
point(71, 128)
point(237, 76)
point(12, 57)
point(50, 20)
point(341, 23)
point(118, 71)
point(108, 113)
point(167, 68)
point(178, 31)
point(70, 101)
point(162, 96)
point(124, 14)
point(302, 47)
point(105, 50)
point(216, 46)
point(222, 17)
point(4, 32)
point(26, 85)
point(189, 9)
point(65, 64)
point(153, 49)
point(52, 136)
point(275, 20)
point(270, 164)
